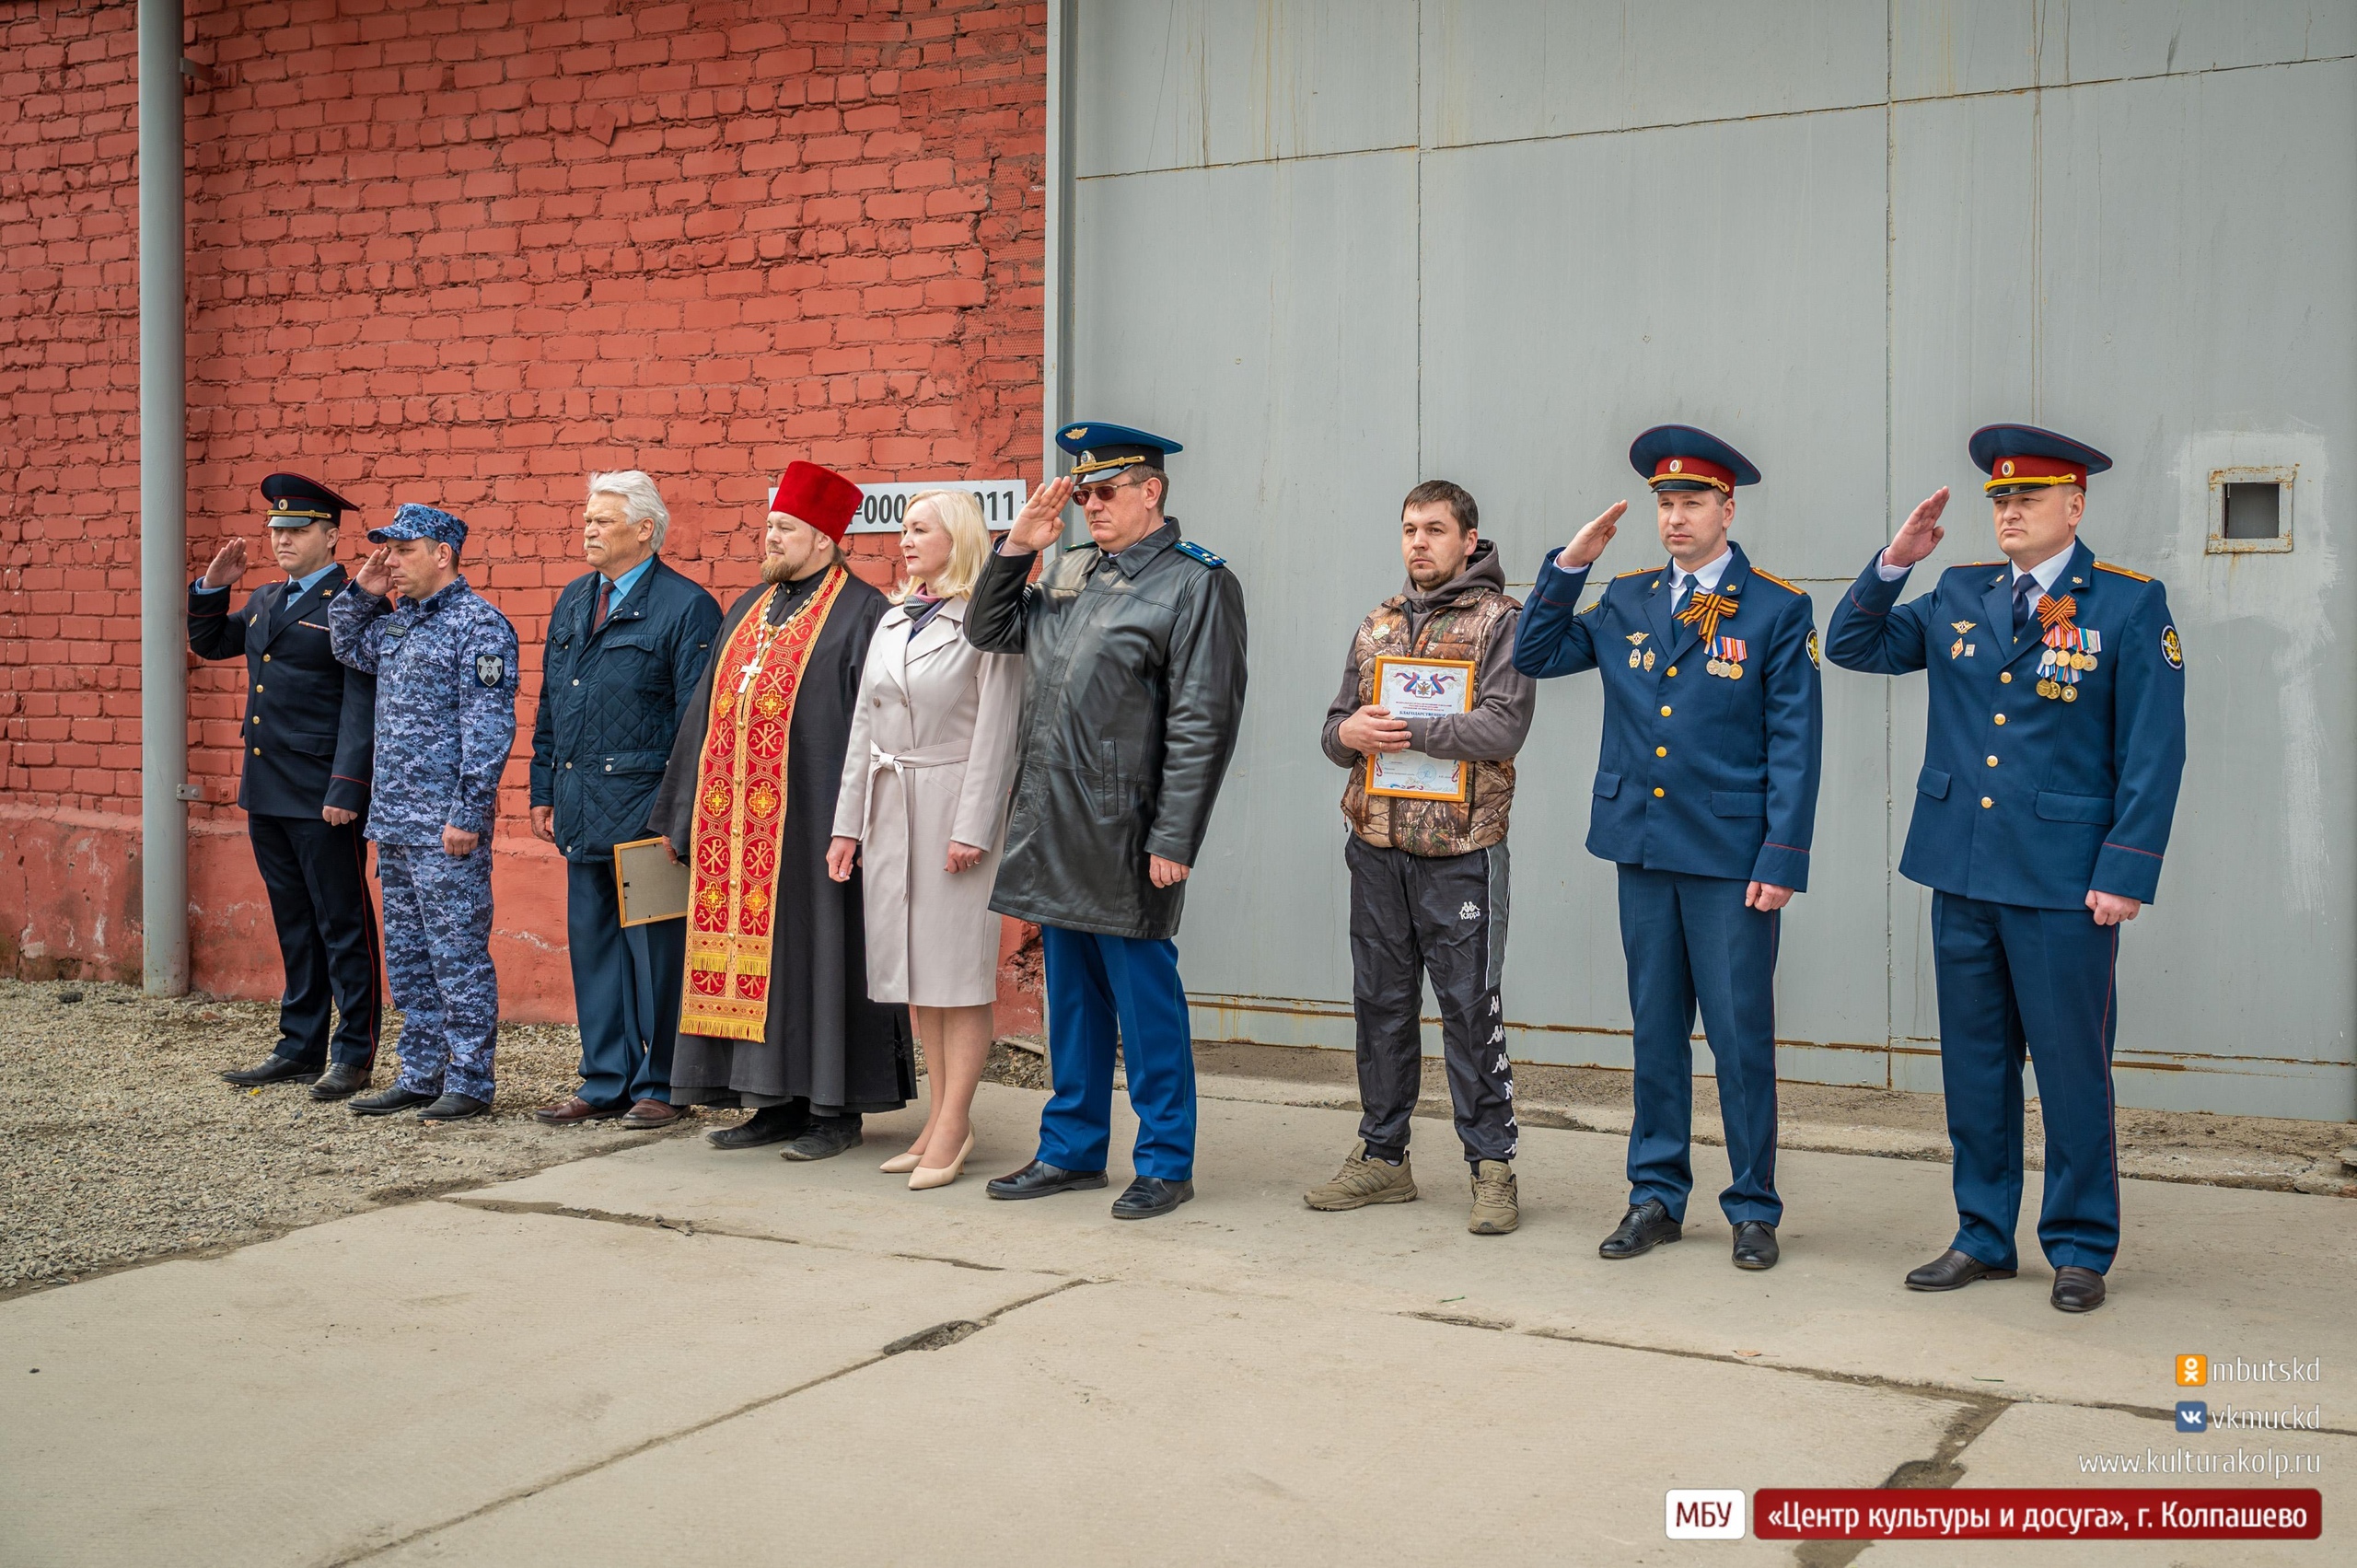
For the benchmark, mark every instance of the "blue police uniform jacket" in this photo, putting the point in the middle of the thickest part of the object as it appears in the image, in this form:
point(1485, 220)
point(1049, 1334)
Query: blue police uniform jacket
point(609, 704)
point(2025, 799)
point(446, 707)
point(1701, 774)
point(307, 735)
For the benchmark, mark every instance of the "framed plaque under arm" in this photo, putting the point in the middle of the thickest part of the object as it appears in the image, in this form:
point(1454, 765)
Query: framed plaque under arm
point(649, 885)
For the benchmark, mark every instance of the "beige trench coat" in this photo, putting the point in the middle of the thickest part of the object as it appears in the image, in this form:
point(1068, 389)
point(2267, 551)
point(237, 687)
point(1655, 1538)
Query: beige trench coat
point(931, 760)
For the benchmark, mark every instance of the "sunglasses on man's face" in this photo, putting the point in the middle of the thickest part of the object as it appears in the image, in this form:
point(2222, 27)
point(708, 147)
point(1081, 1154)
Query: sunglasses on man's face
point(1084, 493)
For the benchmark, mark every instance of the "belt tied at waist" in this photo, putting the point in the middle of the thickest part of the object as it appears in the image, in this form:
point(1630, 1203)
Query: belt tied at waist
point(880, 760)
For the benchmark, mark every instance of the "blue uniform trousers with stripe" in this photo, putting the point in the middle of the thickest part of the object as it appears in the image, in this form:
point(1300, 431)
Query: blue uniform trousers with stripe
point(1101, 990)
point(2014, 977)
point(437, 953)
point(1691, 940)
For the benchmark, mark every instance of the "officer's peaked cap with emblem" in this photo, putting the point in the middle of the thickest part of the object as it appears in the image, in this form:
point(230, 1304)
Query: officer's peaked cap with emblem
point(1105, 449)
point(296, 502)
point(2023, 456)
point(413, 521)
point(1678, 457)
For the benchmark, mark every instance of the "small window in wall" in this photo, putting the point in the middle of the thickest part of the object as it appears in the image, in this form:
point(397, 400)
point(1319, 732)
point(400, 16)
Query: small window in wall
point(2251, 510)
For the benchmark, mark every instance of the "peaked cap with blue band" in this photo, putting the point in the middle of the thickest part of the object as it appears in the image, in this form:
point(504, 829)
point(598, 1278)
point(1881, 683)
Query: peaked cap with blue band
point(1105, 450)
point(413, 521)
point(2023, 456)
point(298, 503)
point(1678, 457)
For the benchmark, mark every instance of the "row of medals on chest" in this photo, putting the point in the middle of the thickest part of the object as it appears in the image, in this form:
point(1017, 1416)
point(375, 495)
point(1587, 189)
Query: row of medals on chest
point(1726, 656)
point(2071, 652)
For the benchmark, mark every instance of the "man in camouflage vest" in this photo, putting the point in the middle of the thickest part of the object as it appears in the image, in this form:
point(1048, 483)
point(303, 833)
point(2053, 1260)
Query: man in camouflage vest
point(1428, 873)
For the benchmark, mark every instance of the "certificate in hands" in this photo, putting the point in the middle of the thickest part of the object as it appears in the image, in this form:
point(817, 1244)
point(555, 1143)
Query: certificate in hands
point(1419, 688)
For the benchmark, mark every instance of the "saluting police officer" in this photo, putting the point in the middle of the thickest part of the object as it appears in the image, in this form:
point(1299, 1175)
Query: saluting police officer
point(1705, 800)
point(2051, 767)
point(305, 741)
point(444, 662)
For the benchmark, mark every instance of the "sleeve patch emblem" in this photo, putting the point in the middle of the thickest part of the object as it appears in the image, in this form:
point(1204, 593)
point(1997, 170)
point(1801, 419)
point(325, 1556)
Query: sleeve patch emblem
point(2171, 649)
point(490, 669)
point(1812, 650)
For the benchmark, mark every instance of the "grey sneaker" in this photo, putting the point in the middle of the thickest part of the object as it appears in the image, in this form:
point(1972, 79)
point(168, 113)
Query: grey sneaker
point(1362, 1181)
point(1496, 1210)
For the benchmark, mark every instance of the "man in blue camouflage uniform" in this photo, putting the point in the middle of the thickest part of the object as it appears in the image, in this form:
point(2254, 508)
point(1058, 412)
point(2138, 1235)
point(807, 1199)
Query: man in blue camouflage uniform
point(445, 662)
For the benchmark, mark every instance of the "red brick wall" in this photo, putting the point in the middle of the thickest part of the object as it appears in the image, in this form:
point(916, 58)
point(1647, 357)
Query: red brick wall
point(466, 255)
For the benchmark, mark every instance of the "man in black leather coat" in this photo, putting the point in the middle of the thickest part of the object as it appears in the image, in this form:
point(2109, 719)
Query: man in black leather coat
point(1133, 649)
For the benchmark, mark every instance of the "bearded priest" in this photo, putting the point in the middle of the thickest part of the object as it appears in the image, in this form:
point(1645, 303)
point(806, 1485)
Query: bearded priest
point(774, 1014)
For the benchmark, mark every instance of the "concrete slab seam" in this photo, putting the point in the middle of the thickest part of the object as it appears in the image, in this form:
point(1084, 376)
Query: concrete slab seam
point(939, 1336)
point(691, 1227)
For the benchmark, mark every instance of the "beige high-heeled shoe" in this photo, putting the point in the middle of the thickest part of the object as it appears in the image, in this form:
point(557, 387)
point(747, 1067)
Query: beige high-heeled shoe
point(900, 1164)
point(941, 1176)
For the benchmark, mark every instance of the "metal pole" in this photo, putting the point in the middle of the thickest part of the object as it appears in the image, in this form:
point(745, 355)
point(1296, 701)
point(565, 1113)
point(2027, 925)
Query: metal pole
point(1056, 317)
point(163, 507)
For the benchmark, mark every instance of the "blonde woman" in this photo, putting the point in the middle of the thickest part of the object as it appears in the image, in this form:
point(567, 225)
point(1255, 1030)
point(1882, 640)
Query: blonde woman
point(923, 808)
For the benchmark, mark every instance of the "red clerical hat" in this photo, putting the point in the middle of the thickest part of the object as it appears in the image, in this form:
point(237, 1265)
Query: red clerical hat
point(821, 497)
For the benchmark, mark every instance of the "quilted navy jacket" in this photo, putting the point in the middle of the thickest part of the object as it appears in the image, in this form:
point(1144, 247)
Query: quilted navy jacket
point(609, 704)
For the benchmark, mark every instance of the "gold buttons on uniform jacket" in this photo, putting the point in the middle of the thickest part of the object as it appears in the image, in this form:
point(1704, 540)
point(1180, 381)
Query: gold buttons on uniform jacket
point(1986, 803)
point(577, 683)
point(2006, 676)
point(257, 685)
point(265, 658)
point(1992, 762)
point(1661, 750)
point(1672, 669)
point(257, 750)
point(256, 718)
point(2001, 718)
point(1664, 712)
point(1658, 794)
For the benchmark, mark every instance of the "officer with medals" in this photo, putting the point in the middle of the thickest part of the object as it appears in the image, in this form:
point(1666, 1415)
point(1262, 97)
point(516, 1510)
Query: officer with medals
point(2050, 767)
point(1134, 692)
point(306, 743)
point(1706, 802)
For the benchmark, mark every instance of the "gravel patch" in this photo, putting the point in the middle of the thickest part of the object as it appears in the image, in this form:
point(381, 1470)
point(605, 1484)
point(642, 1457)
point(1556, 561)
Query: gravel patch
point(120, 1144)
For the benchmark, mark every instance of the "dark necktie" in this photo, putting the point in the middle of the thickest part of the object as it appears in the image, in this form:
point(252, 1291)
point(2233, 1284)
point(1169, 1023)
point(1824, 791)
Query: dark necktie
point(605, 597)
point(2025, 598)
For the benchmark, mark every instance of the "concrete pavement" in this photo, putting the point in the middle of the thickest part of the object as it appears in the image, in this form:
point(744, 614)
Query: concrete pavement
point(676, 1355)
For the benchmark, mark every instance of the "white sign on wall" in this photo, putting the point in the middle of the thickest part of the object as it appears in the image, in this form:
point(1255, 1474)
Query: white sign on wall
point(883, 505)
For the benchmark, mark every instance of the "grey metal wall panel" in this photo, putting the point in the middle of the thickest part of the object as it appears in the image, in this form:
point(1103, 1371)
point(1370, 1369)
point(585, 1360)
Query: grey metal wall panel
point(1183, 84)
point(1500, 70)
point(2167, 266)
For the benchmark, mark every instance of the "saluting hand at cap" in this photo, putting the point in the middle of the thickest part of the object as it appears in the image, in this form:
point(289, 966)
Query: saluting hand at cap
point(1920, 534)
point(1589, 542)
point(375, 575)
point(229, 565)
point(1041, 521)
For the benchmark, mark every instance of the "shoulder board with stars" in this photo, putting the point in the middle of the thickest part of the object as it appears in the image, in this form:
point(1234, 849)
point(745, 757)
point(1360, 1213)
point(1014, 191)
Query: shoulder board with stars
point(1639, 571)
point(2125, 572)
point(1775, 579)
point(1189, 547)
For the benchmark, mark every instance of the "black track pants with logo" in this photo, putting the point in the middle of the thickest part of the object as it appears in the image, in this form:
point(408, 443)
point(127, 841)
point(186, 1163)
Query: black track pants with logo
point(1444, 916)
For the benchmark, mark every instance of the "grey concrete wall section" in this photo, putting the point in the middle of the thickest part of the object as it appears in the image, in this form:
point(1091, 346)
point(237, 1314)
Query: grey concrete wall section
point(1338, 249)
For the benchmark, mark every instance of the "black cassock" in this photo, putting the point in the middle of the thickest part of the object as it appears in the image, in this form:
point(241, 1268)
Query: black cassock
point(826, 1041)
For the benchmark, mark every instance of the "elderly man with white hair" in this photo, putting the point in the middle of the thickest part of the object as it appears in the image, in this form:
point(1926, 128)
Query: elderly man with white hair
point(627, 643)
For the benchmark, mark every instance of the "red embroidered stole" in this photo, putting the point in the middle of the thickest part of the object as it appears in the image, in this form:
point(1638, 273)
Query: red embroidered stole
point(740, 816)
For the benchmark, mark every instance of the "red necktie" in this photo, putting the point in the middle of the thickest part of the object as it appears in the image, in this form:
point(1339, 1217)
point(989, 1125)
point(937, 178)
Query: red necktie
point(605, 592)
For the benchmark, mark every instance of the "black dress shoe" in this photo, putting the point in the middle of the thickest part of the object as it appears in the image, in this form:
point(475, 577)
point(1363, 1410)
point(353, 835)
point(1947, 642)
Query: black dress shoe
point(454, 1107)
point(826, 1137)
point(341, 1081)
point(1149, 1196)
point(1755, 1244)
point(2078, 1289)
point(396, 1098)
point(1040, 1179)
point(1952, 1269)
point(1646, 1227)
point(271, 1069)
point(771, 1124)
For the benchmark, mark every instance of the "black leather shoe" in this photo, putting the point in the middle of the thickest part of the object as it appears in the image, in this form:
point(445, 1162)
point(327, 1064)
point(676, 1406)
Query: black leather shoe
point(271, 1069)
point(1040, 1179)
point(826, 1137)
point(1755, 1244)
point(771, 1124)
point(1149, 1196)
point(1646, 1227)
point(1954, 1270)
point(396, 1098)
point(341, 1081)
point(2078, 1289)
point(454, 1107)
